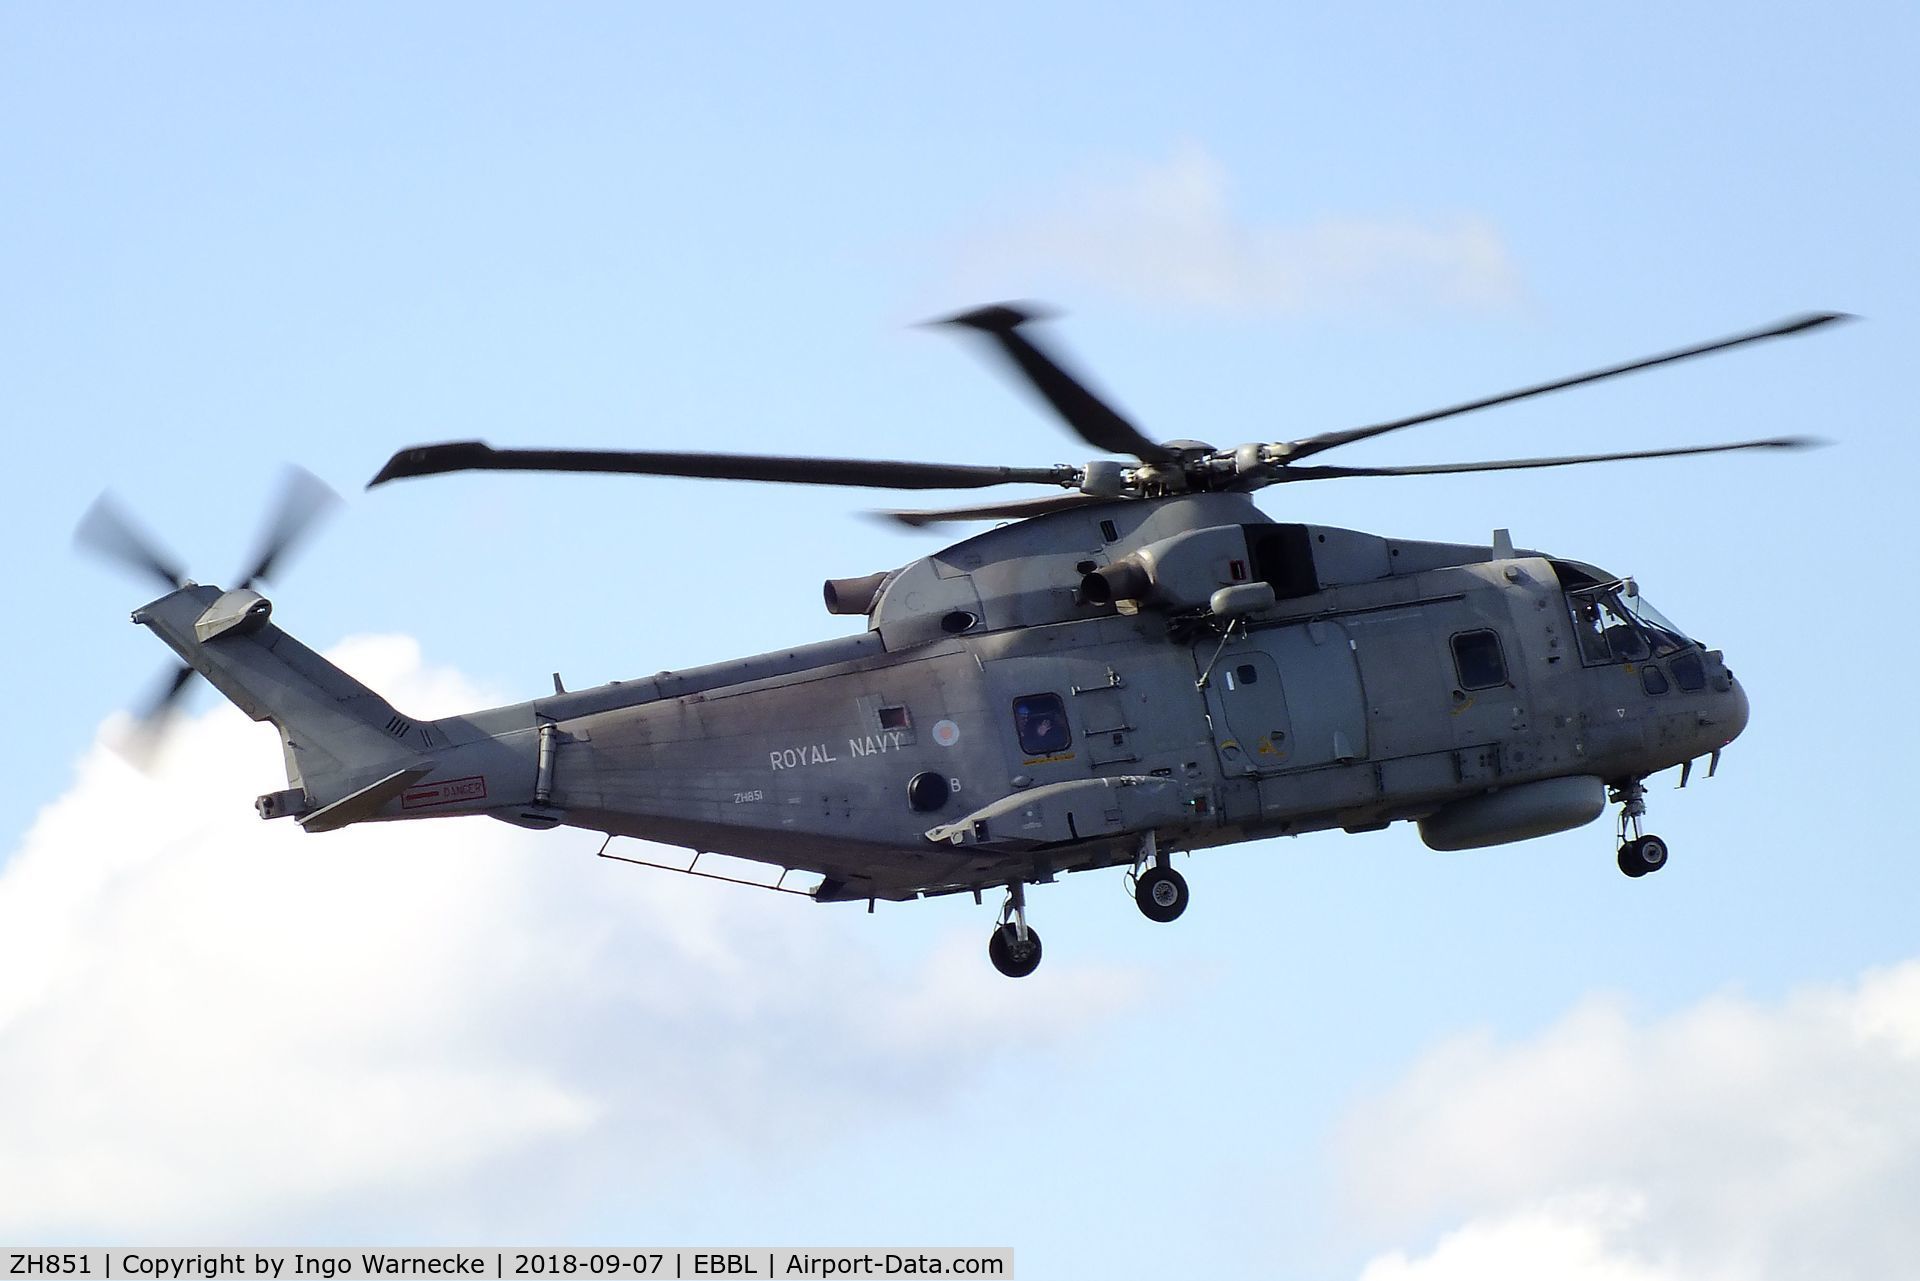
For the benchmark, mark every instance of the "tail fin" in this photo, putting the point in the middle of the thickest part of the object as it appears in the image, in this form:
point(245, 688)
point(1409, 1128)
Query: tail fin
point(339, 736)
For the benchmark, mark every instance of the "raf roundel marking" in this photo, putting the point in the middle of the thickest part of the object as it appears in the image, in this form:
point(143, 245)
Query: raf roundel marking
point(946, 733)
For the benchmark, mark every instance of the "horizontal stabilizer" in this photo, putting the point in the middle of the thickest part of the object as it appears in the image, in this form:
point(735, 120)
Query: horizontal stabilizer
point(365, 803)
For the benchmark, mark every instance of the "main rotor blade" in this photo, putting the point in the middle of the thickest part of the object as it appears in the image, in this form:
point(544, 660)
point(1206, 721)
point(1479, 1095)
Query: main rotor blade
point(108, 531)
point(1091, 418)
point(474, 455)
point(304, 499)
point(1284, 473)
point(1311, 445)
point(1015, 510)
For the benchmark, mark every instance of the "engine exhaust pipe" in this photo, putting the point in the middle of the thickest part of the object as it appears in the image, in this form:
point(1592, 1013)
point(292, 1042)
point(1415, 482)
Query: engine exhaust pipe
point(853, 595)
point(1125, 579)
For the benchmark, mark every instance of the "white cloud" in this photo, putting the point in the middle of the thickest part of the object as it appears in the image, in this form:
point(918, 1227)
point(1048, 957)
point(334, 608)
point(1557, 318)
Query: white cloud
point(1568, 1243)
point(212, 1025)
point(1733, 1139)
point(1169, 233)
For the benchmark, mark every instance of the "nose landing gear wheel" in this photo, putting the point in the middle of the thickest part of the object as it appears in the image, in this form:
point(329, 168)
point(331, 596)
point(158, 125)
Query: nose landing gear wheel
point(1161, 894)
point(1639, 854)
point(1642, 855)
point(1011, 956)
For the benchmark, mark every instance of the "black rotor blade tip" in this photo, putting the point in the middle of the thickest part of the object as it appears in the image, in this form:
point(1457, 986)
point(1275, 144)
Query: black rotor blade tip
point(1814, 320)
point(431, 460)
point(996, 318)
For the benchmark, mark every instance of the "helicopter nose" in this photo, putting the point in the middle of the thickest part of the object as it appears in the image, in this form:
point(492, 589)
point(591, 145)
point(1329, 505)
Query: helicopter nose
point(1733, 710)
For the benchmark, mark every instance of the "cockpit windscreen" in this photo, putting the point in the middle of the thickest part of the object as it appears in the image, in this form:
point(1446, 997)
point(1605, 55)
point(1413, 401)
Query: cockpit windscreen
point(1613, 622)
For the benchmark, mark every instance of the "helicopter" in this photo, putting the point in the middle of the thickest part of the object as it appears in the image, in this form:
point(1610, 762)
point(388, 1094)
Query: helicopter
point(1143, 664)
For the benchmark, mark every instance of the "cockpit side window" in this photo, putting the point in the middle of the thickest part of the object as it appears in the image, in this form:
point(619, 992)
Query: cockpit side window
point(1615, 628)
point(1590, 626)
point(1629, 642)
point(1040, 723)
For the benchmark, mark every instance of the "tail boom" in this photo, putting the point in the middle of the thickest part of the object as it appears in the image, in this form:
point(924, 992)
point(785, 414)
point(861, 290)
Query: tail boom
point(350, 755)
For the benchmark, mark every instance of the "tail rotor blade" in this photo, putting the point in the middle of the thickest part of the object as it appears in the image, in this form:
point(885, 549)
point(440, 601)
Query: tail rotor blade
point(139, 744)
point(109, 532)
point(304, 499)
point(167, 698)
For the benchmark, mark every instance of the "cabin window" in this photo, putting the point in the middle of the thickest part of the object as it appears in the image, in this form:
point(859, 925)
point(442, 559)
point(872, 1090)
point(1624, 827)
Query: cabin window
point(1478, 661)
point(895, 718)
point(1653, 680)
point(1040, 721)
point(1246, 674)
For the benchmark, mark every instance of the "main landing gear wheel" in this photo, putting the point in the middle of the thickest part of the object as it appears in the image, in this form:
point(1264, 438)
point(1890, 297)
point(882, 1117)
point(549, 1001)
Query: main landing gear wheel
point(1011, 956)
point(1161, 894)
point(1642, 855)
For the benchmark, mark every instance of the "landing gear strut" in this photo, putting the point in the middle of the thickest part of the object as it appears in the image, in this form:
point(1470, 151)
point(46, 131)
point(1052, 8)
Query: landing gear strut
point(1013, 948)
point(1159, 891)
point(1639, 853)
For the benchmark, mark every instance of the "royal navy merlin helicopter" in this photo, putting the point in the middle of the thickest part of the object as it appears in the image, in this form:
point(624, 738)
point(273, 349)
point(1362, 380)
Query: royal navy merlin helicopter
point(1144, 664)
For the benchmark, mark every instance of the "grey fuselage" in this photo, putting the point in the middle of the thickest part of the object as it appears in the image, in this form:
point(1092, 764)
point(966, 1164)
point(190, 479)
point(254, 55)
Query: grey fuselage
point(999, 721)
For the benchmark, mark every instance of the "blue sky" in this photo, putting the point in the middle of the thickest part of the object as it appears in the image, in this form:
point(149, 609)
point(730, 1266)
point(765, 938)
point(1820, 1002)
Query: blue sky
point(233, 237)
